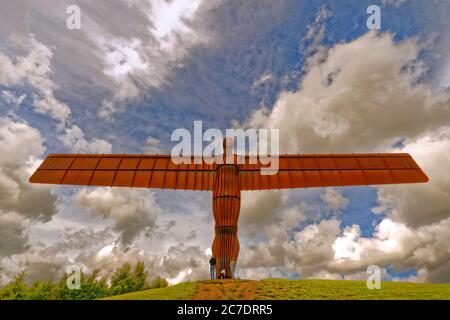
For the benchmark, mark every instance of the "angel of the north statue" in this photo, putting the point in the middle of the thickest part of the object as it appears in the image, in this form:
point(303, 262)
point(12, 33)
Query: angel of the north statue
point(227, 179)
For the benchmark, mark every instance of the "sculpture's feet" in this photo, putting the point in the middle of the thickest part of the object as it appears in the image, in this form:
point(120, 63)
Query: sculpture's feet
point(226, 250)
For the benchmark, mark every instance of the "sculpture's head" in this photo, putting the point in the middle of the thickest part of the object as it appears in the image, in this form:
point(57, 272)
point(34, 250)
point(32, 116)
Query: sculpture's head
point(228, 144)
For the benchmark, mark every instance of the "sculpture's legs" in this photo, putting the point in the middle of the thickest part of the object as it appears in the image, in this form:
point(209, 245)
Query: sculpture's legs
point(226, 206)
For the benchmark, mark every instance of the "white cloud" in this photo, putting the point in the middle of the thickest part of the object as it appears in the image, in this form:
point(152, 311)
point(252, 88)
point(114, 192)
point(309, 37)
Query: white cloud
point(398, 245)
point(35, 68)
point(12, 99)
point(169, 18)
point(20, 149)
point(106, 250)
point(107, 109)
point(181, 277)
point(20, 202)
point(309, 250)
point(325, 251)
point(258, 210)
point(73, 138)
point(152, 146)
point(178, 263)
point(349, 105)
point(344, 247)
point(132, 210)
point(139, 62)
point(418, 205)
point(13, 237)
point(334, 199)
point(117, 58)
point(265, 77)
point(123, 58)
point(311, 44)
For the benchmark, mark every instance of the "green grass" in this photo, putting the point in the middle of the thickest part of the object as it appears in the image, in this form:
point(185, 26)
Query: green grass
point(277, 289)
point(181, 291)
point(347, 290)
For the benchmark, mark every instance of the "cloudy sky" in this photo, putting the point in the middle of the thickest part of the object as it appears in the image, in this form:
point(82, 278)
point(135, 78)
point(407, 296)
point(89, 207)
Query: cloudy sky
point(138, 69)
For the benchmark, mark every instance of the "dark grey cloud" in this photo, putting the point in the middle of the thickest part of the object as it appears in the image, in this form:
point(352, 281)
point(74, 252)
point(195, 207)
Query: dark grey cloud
point(13, 236)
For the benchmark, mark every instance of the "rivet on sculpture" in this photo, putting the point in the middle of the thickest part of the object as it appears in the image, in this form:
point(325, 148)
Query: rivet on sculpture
point(226, 180)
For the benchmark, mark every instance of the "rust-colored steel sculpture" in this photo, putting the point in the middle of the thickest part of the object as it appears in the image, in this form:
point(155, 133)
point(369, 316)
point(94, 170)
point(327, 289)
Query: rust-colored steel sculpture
point(226, 181)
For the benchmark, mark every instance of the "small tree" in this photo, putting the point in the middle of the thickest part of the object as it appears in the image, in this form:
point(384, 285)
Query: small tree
point(42, 290)
point(16, 289)
point(158, 282)
point(122, 280)
point(140, 276)
point(91, 287)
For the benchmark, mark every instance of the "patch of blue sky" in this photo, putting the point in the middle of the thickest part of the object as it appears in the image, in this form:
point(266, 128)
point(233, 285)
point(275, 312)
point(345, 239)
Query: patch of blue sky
point(293, 276)
point(25, 112)
point(184, 202)
point(358, 211)
point(403, 274)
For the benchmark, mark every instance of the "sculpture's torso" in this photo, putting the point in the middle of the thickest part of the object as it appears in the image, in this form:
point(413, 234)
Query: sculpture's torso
point(226, 207)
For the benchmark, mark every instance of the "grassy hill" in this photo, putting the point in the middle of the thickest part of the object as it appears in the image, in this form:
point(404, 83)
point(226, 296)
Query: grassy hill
point(274, 289)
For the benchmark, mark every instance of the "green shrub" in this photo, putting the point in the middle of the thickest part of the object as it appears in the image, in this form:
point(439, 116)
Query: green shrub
point(125, 279)
point(158, 282)
point(16, 289)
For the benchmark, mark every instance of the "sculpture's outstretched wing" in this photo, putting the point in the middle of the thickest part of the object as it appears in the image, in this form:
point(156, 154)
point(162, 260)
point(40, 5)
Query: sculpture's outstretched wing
point(307, 171)
point(138, 171)
point(295, 171)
